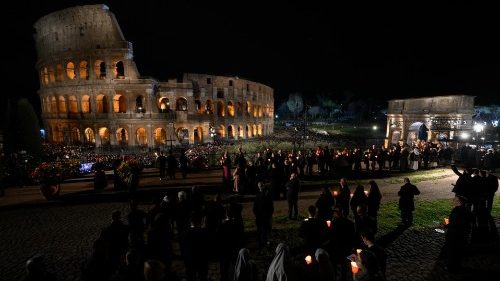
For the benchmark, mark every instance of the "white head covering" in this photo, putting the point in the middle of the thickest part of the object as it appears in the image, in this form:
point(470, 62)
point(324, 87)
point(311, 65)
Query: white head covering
point(277, 269)
point(243, 266)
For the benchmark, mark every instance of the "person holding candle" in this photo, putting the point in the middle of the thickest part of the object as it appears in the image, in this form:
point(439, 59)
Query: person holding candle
point(341, 241)
point(406, 201)
point(312, 231)
point(368, 268)
point(368, 238)
point(325, 204)
point(359, 198)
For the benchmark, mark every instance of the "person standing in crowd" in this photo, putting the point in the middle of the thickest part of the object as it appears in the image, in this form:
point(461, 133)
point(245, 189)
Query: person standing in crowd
point(196, 250)
point(374, 198)
point(369, 268)
point(245, 269)
point(162, 165)
point(358, 198)
point(326, 271)
point(293, 187)
point(403, 161)
point(184, 163)
point(368, 238)
point(325, 203)
point(263, 210)
point(344, 197)
point(341, 241)
point(226, 170)
point(457, 233)
point(172, 165)
point(491, 187)
point(406, 201)
point(312, 231)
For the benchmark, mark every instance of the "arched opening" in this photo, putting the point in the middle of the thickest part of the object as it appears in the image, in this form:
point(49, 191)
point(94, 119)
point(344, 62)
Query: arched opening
point(139, 104)
point(59, 73)
point(209, 108)
point(46, 104)
point(160, 136)
point(249, 131)
point(85, 104)
point(89, 136)
point(254, 130)
point(73, 104)
point(52, 75)
point(259, 111)
point(84, 70)
point(141, 136)
point(230, 109)
point(417, 131)
point(198, 106)
point(239, 108)
point(62, 104)
point(248, 108)
point(164, 104)
point(220, 109)
point(122, 136)
point(104, 135)
point(45, 73)
point(100, 69)
point(183, 135)
point(230, 132)
point(53, 105)
point(119, 104)
point(181, 104)
point(255, 109)
point(119, 70)
point(241, 132)
point(102, 104)
point(221, 132)
point(259, 129)
point(75, 136)
point(198, 135)
point(70, 70)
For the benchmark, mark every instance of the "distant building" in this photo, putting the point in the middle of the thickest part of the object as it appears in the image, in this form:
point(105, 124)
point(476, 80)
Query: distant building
point(429, 118)
point(91, 90)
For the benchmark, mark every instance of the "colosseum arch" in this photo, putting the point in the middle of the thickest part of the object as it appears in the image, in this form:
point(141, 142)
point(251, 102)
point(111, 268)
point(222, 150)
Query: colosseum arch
point(259, 111)
point(164, 104)
point(230, 132)
point(141, 136)
point(160, 136)
point(84, 70)
point(104, 136)
point(73, 104)
point(249, 131)
point(181, 104)
point(86, 104)
point(119, 104)
point(59, 73)
point(119, 70)
point(75, 135)
point(183, 134)
point(248, 108)
point(259, 129)
point(52, 75)
point(241, 132)
point(140, 102)
point(89, 135)
point(220, 109)
point(53, 104)
point(122, 136)
point(45, 75)
point(100, 69)
point(62, 104)
point(102, 104)
point(230, 109)
point(209, 108)
point(254, 130)
point(239, 109)
point(198, 135)
point(70, 70)
point(221, 132)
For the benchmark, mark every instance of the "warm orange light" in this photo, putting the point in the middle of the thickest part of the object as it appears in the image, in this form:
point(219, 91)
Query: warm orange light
point(446, 221)
point(308, 259)
point(366, 192)
point(352, 195)
point(358, 251)
point(329, 223)
point(354, 267)
point(335, 193)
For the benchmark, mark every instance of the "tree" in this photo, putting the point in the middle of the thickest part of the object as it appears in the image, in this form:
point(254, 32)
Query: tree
point(295, 103)
point(28, 130)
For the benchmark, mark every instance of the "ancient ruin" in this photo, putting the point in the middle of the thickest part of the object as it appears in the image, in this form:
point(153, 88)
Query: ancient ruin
point(91, 91)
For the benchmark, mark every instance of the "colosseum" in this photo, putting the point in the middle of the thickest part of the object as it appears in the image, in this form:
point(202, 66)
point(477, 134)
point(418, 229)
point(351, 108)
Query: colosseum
point(91, 91)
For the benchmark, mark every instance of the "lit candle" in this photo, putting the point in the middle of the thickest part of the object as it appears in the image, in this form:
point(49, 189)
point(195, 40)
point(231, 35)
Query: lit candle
point(308, 259)
point(354, 267)
point(358, 251)
point(335, 193)
point(446, 221)
point(352, 194)
point(329, 223)
point(366, 192)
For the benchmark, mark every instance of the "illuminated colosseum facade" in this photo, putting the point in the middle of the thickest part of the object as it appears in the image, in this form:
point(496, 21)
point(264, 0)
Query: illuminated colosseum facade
point(91, 91)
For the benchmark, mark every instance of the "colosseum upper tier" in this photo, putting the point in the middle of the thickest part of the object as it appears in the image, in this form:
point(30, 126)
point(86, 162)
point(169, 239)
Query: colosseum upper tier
point(92, 92)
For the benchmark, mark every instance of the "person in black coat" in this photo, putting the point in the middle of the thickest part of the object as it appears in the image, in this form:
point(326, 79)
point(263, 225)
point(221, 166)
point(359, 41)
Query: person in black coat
point(292, 195)
point(172, 165)
point(368, 238)
point(457, 233)
point(162, 164)
point(263, 209)
point(325, 204)
point(406, 201)
point(341, 241)
point(344, 197)
point(358, 198)
point(312, 231)
point(374, 198)
point(196, 250)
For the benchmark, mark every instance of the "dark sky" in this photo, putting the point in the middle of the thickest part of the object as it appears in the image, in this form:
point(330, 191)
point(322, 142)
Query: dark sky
point(370, 51)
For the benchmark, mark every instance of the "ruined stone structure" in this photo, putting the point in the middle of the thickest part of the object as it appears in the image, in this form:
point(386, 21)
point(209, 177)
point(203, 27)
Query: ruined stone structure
point(430, 118)
point(91, 90)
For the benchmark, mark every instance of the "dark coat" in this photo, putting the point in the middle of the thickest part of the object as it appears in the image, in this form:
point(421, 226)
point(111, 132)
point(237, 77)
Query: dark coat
point(406, 194)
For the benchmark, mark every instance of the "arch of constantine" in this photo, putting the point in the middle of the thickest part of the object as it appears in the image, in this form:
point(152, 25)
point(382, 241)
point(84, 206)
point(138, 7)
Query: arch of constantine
point(429, 118)
point(91, 90)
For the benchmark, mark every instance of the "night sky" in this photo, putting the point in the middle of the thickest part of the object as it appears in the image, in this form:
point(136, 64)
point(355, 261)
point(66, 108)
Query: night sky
point(369, 51)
